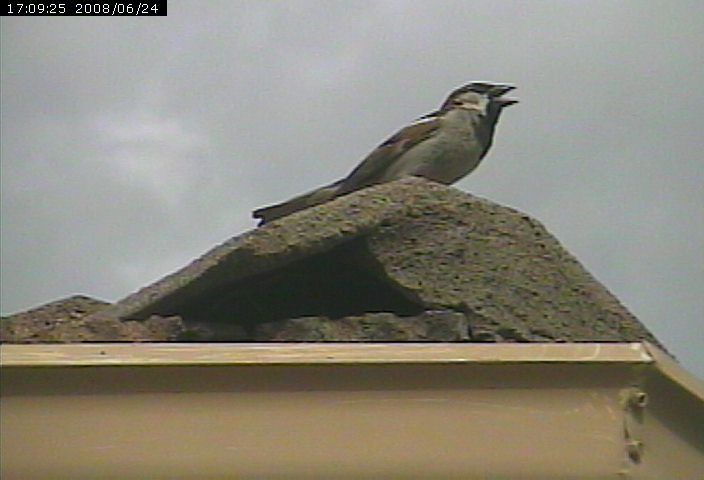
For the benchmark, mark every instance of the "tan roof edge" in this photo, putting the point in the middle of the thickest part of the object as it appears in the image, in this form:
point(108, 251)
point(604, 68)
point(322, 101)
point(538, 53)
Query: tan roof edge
point(670, 368)
point(145, 354)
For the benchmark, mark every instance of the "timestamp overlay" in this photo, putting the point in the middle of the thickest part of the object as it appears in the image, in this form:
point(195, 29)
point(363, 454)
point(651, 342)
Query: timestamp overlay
point(143, 8)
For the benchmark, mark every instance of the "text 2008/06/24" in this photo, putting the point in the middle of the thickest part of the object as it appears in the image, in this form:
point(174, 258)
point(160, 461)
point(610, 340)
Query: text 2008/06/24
point(144, 8)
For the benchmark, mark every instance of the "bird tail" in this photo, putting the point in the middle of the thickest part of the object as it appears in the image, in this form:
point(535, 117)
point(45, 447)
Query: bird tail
point(310, 199)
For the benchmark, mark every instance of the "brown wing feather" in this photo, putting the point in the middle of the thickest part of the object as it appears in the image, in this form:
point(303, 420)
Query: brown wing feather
point(369, 171)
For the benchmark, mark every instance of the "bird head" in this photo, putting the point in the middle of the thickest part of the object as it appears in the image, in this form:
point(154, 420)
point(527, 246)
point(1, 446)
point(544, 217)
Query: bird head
point(484, 98)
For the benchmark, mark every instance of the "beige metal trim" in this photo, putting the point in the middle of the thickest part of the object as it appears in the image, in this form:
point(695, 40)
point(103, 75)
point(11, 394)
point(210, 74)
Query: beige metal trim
point(362, 411)
point(121, 354)
point(674, 371)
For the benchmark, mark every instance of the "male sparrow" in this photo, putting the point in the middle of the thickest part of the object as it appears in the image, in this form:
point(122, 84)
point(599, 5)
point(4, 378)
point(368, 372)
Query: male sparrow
point(442, 146)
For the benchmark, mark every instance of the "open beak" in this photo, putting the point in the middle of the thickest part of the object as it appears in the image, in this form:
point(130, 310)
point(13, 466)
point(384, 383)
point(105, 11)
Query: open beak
point(497, 91)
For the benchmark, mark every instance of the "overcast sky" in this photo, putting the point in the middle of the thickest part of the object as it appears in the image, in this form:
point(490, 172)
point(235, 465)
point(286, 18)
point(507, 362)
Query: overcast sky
point(132, 145)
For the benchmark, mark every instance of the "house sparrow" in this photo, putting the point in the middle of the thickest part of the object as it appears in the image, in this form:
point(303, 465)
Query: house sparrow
point(442, 146)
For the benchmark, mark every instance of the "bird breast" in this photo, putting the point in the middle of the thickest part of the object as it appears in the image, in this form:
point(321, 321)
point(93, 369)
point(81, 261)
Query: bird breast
point(453, 152)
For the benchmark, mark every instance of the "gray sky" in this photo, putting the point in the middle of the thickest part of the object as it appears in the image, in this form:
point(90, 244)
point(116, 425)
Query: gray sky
point(131, 146)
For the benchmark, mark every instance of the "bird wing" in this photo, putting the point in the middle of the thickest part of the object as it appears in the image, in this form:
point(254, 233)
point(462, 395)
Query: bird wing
point(370, 170)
